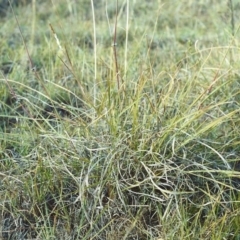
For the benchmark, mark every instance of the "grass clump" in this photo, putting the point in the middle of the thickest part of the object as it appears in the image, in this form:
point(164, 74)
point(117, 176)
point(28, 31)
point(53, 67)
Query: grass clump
point(155, 157)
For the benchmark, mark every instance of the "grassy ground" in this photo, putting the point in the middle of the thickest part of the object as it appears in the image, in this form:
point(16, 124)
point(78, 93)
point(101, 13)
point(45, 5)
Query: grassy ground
point(147, 149)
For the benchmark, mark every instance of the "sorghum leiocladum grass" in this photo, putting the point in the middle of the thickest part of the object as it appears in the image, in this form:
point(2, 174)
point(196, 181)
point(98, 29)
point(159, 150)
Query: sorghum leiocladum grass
point(156, 158)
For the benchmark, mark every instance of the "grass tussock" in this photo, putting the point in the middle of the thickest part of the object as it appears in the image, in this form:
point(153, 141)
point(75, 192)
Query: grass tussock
point(124, 125)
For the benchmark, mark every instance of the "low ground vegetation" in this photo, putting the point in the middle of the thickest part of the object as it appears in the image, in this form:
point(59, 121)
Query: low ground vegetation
point(138, 140)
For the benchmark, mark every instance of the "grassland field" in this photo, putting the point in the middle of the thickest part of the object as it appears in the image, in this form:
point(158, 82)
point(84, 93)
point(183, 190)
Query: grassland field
point(120, 120)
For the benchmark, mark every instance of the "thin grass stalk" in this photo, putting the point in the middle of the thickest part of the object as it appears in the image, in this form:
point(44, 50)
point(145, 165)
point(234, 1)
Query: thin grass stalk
point(232, 17)
point(115, 48)
point(95, 54)
point(106, 11)
point(126, 42)
point(232, 26)
point(33, 23)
